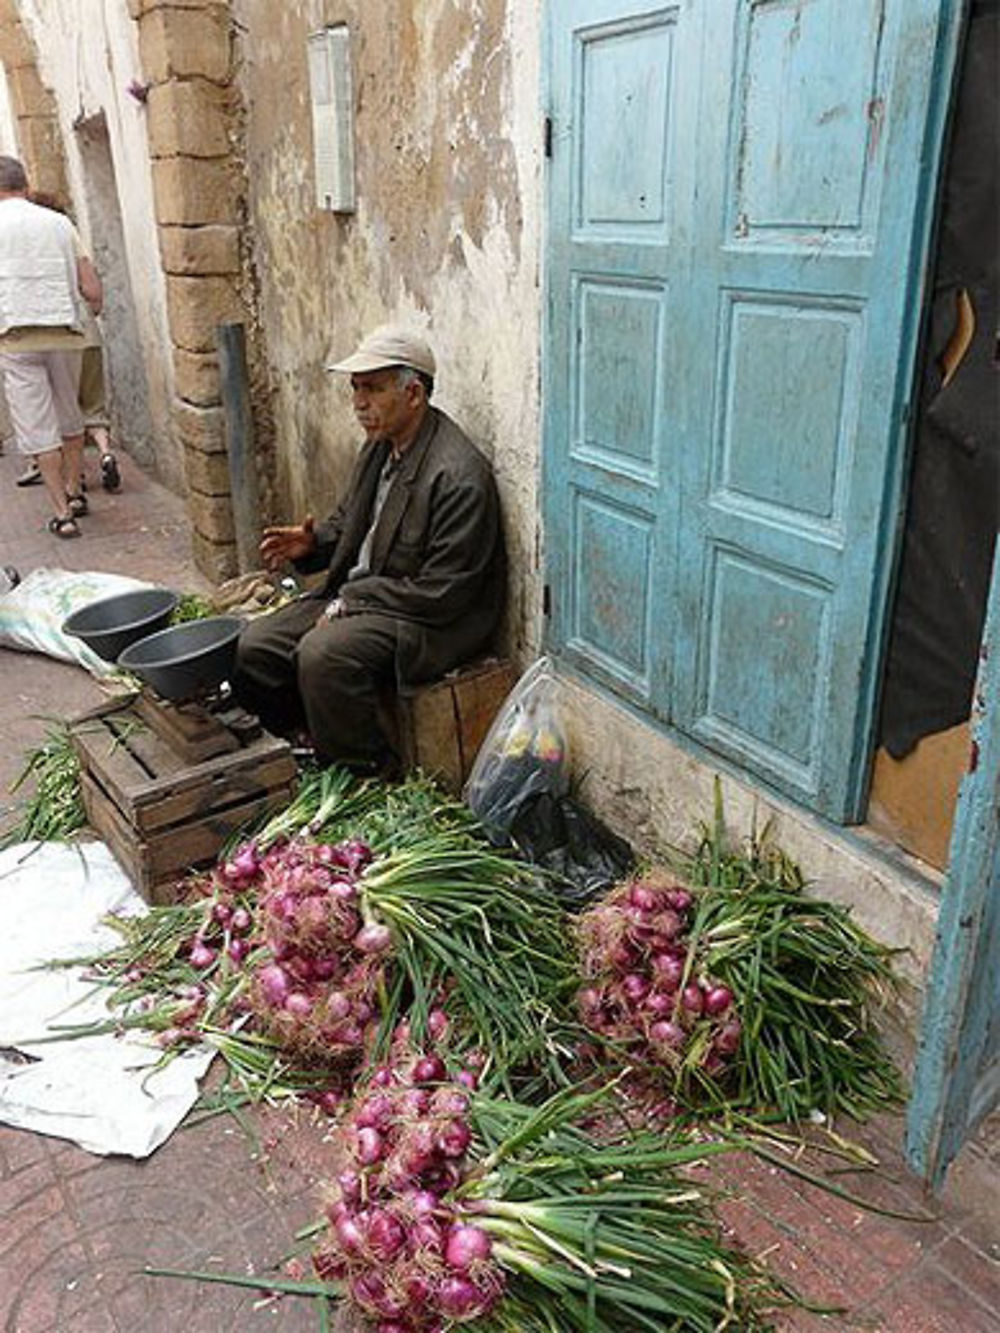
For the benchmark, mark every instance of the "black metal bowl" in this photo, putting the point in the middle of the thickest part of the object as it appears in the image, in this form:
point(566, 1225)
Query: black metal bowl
point(115, 623)
point(186, 661)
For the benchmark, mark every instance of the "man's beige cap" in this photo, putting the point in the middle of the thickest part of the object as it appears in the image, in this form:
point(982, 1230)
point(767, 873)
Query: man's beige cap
point(389, 345)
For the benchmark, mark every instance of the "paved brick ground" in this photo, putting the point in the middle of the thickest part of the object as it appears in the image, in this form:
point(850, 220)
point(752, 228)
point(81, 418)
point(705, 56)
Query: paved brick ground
point(76, 1230)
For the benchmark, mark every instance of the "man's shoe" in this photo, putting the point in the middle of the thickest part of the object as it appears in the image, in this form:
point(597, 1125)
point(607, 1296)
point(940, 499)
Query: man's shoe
point(30, 476)
point(111, 477)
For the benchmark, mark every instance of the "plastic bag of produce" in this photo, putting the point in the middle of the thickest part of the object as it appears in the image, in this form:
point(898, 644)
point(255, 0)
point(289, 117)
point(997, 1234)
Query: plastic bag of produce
point(525, 753)
point(32, 614)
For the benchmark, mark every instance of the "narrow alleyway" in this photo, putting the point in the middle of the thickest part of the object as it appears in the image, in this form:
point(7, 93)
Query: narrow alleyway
point(78, 1229)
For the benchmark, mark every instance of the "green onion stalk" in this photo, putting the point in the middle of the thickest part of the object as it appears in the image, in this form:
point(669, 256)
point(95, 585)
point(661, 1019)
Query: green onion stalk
point(610, 1237)
point(809, 983)
point(53, 811)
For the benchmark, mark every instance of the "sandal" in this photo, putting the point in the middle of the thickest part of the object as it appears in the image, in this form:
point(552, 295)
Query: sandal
point(64, 526)
point(78, 505)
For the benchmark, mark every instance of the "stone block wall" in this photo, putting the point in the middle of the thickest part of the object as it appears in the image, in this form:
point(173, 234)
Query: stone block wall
point(33, 105)
point(192, 113)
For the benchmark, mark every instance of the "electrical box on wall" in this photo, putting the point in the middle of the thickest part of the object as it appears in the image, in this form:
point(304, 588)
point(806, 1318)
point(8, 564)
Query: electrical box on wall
point(332, 118)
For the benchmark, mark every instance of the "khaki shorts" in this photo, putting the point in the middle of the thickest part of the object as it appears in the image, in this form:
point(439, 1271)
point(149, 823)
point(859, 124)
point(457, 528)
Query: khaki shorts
point(41, 390)
point(91, 395)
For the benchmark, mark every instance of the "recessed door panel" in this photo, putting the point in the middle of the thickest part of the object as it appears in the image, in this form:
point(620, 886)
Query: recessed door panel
point(808, 113)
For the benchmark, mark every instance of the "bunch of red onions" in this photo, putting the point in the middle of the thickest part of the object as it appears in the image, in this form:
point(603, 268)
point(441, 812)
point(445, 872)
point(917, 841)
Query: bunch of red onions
point(408, 1258)
point(314, 988)
point(643, 988)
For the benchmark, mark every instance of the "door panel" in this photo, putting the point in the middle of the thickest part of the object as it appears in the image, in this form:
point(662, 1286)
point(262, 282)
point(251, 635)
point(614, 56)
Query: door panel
point(737, 211)
point(614, 349)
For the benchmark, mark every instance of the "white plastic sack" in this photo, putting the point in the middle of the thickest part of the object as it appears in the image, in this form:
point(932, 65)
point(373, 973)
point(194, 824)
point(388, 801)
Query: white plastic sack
point(32, 614)
point(525, 752)
point(97, 1090)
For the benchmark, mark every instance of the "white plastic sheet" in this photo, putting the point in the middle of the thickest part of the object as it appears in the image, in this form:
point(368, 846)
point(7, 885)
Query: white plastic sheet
point(97, 1091)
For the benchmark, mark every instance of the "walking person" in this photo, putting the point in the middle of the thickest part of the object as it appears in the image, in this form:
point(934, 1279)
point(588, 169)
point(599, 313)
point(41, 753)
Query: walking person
point(46, 284)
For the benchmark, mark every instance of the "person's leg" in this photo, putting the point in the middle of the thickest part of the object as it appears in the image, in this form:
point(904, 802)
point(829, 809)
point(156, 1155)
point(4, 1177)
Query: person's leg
point(36, 427)
point(50, 464)
point(264, 677)
point(64, 379)
point(342, 664)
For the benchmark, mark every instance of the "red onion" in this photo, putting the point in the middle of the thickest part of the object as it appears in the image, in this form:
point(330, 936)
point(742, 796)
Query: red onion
point(467, 1079)
point(622, 957)
point(222, 913)
point(590, 999)
point(717, 1000)
point(201, 955)
point(349, 1234)
point(349, 1184)
point(298, 1003)
point(241, 920)
point(415, 1102)
point(324, 968)
point(429, 1069)
point(667, 970)
point(238, 950)
point(274, 983)
point(467, 1245)
point(373, 939)
point(383, 1077)
point(331, 1101)
point(369, 1146)
point(679, 899)
point(425, 1234)
point(386, 1235)
point(449, 1101)
point(454, 1139)
point(422, 1203)
point(658, 1004)
point(727, 1039)
point(642, 896)
point(666, 1033)
point(635, 987)
point(668, 926)
point(460, 1299)
point(336, 1006)
point(437, 1024)
point(376, 1112)
point(693, 998)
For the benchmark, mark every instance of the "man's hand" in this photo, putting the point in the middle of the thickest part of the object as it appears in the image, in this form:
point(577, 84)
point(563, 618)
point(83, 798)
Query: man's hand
point(294, 542)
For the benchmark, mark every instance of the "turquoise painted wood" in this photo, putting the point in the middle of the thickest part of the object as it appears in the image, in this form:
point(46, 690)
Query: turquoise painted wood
point(957, 1076)
point(739, 195)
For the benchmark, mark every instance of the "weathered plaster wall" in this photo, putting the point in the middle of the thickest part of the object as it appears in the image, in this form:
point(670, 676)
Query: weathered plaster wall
point(87, 55)
point(446, 233)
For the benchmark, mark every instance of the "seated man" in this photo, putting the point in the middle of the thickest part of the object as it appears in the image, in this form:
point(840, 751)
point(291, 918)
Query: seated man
point(415, 567)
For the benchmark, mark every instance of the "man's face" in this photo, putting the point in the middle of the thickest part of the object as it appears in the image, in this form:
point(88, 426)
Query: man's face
point(385, 408)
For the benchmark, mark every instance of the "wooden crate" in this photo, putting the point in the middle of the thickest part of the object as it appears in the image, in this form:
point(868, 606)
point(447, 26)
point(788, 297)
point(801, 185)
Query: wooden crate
point(162, 811)
point(441, 726)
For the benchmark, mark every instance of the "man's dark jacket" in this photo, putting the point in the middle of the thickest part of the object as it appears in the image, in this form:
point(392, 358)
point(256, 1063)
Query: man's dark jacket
point(437, 559)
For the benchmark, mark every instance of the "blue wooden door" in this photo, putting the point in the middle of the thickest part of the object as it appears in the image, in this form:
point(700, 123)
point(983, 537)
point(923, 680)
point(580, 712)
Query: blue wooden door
point(957, 1076)
point(738, 218)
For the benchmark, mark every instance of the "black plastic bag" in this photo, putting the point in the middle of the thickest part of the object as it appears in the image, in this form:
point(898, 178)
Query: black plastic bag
point(563, 837)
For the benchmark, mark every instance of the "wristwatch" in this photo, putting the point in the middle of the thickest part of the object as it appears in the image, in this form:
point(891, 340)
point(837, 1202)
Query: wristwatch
point(338, 607)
